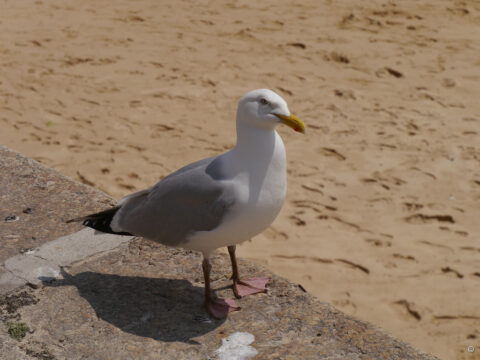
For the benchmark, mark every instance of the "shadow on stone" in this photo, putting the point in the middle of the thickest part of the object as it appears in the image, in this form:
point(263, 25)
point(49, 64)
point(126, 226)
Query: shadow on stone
point(162, 309)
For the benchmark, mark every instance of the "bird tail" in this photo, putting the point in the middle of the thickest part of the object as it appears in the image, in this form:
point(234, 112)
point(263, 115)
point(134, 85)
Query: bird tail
point(100, 221)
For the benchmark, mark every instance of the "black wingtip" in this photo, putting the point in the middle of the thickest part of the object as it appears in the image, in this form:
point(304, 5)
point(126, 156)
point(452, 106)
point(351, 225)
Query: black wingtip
point(100, 221)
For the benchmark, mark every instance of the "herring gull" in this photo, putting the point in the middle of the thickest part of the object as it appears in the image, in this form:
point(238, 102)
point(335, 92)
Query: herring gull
point(218, 201)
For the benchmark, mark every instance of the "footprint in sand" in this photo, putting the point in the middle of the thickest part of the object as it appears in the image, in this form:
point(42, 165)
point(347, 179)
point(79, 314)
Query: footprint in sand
point(424, 219)
point(449, 270)
point(353, 265)
point(298, 221)
point(274, 233)
point(338, 58)
point(409, 309)
point(330, 152)
point(313, 188)
point(378, 242)
point(388, 71)
point(410, 206)
point(404, 257)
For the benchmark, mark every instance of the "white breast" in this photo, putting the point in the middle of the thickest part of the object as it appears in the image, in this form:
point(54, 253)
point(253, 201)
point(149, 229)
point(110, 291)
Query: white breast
point(259, 191)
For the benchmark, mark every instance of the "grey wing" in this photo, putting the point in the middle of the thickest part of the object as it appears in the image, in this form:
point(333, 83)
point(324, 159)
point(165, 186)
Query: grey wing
point(184, 202)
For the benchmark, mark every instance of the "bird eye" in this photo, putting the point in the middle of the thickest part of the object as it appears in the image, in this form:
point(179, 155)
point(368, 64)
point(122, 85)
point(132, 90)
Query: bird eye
point(263, 101)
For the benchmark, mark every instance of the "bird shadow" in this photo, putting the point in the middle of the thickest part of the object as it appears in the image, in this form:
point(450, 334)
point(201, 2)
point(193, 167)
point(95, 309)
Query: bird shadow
point(162, 309)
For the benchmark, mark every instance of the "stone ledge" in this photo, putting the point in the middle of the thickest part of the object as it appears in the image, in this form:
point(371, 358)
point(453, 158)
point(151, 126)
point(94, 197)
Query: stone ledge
point(38, 200)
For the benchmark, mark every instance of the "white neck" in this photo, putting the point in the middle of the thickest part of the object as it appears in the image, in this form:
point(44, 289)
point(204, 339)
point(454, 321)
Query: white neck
point(259, 153)
point(259, 143)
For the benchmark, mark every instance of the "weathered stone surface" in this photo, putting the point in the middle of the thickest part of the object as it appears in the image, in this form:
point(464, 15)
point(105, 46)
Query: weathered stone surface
point(36, 201)
point(9, 348)
point(78, 246)
point(32, 269)
point(144, 301)
point(9, 281)
point(44, 262)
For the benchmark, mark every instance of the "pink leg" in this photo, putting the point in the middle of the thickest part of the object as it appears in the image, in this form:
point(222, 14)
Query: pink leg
point(248, 286)
point(218, 308)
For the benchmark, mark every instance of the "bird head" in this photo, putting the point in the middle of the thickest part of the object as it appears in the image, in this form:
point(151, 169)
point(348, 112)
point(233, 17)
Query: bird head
point(263, 108)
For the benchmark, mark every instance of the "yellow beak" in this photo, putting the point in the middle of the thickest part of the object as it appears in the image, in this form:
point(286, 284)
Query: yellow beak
point(292, 121)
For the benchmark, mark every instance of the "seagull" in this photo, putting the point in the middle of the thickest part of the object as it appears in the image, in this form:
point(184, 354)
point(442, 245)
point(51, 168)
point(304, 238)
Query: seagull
point(218, 201)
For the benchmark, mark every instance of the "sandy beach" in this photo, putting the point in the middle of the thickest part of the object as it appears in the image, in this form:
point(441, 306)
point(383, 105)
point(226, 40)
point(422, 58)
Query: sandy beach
point(382, 212)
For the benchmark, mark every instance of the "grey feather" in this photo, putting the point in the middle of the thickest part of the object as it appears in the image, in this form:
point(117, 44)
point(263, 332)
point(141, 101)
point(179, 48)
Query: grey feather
point(186, 201)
